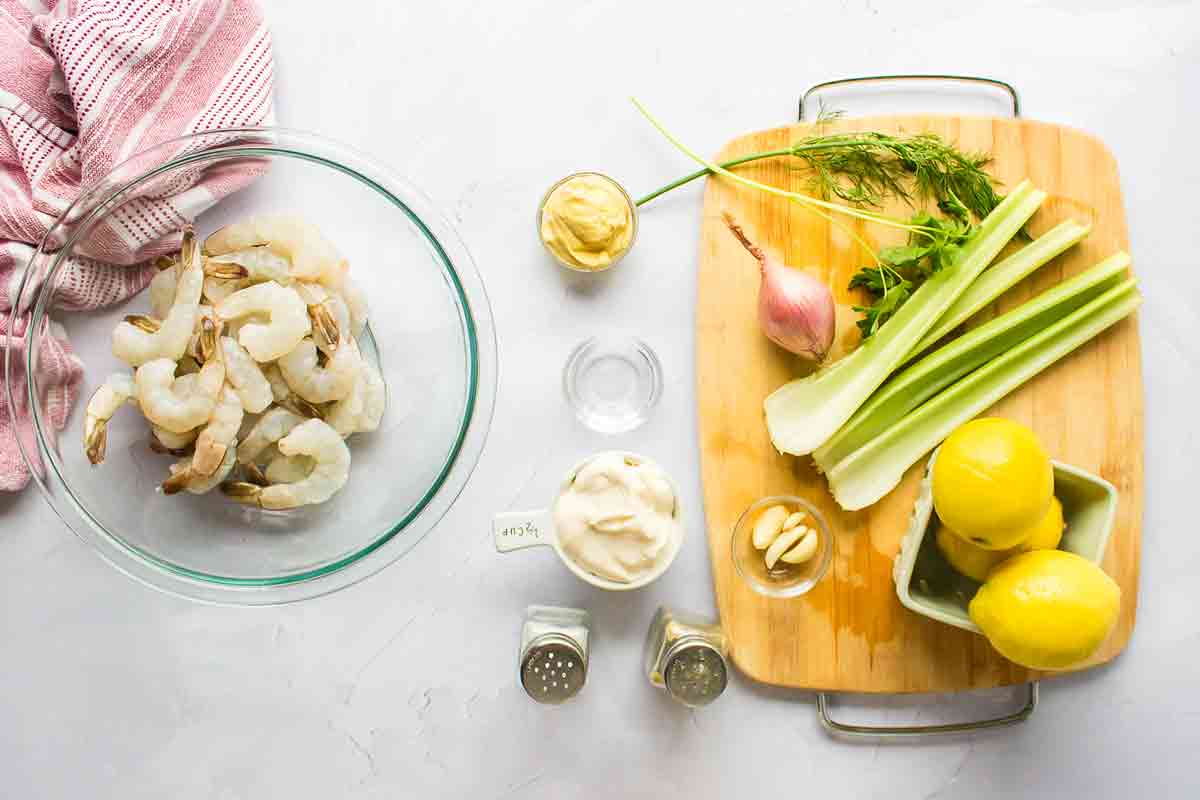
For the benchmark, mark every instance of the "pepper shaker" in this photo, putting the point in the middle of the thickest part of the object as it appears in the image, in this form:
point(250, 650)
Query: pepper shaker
point(685, 654)
point(554, 653)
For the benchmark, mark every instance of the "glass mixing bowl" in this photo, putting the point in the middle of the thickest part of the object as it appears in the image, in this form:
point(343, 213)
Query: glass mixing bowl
point(430, 331)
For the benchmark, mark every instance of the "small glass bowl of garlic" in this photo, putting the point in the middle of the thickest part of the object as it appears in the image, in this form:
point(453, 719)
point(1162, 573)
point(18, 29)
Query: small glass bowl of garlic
point(781, 546)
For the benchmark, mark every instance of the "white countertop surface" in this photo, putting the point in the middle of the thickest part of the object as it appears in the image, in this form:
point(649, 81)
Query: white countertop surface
point(405, 685)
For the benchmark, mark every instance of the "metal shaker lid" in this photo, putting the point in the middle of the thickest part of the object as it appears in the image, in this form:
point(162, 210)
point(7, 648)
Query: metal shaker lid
point(553, 669)
point(696, 673)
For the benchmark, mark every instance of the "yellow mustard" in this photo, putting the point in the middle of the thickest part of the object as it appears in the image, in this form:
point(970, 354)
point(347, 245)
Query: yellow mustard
point(587, 222)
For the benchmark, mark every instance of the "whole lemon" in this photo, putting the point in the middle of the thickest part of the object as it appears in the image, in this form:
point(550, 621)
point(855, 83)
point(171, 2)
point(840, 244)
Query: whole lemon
point(1047, 609)
point(992, 481)
point(966, 558)
point(1047, 532)
point(976, 562)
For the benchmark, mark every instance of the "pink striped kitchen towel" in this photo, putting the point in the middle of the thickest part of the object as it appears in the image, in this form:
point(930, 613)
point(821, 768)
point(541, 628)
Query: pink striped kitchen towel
point(84, 85)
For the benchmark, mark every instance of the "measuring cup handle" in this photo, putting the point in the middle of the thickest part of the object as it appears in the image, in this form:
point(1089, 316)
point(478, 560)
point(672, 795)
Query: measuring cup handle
point(513, 530)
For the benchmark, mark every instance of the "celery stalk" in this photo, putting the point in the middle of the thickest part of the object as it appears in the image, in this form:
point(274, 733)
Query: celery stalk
point(913, 386)
point(1002, 276)
point(874, 470)
point(802, 414)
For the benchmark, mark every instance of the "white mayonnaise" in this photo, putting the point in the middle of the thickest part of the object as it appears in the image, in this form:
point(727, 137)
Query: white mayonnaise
point(617, 518)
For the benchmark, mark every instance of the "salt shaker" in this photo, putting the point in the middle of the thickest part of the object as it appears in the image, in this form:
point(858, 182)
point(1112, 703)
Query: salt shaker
point(685, 654)
point(554, 653)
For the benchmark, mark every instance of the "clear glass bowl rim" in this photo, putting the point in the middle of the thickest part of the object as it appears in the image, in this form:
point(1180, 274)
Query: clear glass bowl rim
point(475, 313)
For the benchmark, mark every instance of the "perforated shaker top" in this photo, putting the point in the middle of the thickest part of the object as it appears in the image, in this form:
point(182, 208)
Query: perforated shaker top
point(553, 672)
point(696, 675)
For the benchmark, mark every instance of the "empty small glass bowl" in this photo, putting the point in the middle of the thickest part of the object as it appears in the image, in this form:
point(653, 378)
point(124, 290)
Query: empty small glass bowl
point(784, 580)
point(430, 330)
point(612, 384)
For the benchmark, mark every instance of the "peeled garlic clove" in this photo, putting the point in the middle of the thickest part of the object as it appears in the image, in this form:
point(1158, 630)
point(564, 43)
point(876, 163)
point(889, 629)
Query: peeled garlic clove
point(794, 520)
point(781, 545)
point(768, 526)
point(804, 550)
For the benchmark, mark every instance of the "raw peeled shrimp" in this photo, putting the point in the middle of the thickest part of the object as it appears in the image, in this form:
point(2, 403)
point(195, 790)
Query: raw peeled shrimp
point(255, 333)
point(283, 396)
point(329, 315)
point(162, 287)
point(310, 255)
point(169, 441)
point(311, 293)
point(253, 264)
point(217, 289)
point(328, 333)
point(270, 428)
point(288, 469)
point(356, 304)
point(176, 411)
point(331, 468)
point(279, 388)
point(206, 338)
point(184, 476)
point(345, 414)
point(287, 321)
point(117, 390)
point(136, 345)
point(301, 407)
point(188, 366)
point(362, 409)
point(234, 327)
point(219, 434)
point(336, 306)
point(318, 384)
point(246, 377)
point(253, 473)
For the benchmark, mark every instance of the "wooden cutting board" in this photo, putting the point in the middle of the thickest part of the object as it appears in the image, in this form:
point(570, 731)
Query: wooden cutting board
point(850, 633)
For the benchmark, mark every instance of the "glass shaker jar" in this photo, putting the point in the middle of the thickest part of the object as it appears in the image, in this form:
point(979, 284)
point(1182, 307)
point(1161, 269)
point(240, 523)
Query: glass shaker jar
point(554, 653)
point(685, 654)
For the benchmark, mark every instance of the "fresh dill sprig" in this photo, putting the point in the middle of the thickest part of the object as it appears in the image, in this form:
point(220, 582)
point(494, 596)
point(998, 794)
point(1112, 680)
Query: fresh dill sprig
point(815, 204)
point(866, 168)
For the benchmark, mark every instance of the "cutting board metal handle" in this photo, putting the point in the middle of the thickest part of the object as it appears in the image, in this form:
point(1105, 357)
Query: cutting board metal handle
point(995, 83)
point(912, 731)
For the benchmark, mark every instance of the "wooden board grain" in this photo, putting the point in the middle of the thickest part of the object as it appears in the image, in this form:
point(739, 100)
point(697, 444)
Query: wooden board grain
point(851, 633)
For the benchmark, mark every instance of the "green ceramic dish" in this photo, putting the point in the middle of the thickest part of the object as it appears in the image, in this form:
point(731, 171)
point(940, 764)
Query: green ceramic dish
point(925, 582)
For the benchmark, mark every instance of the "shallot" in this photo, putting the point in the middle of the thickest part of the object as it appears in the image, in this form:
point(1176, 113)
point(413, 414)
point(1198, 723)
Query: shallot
point(795, 310)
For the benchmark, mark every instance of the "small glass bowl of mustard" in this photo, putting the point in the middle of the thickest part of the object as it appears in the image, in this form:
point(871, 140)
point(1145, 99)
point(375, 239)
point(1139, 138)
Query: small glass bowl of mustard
point(782, 580)
point(587, 222)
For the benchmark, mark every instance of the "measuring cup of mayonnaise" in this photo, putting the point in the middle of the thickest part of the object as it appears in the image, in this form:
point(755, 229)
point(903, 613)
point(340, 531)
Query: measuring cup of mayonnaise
point(616, 522)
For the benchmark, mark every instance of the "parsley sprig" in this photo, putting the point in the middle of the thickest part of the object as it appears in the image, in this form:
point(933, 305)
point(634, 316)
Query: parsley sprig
point(899, 270)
